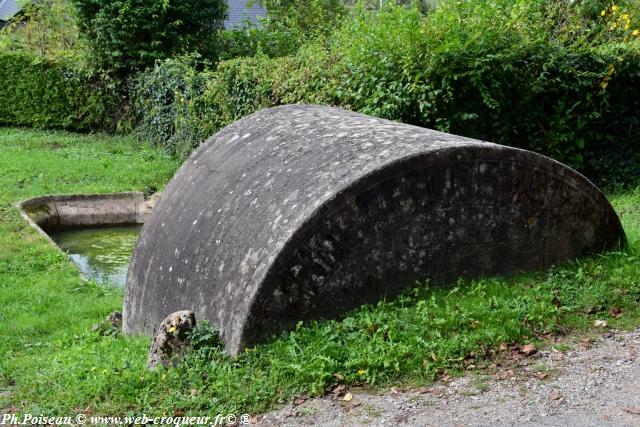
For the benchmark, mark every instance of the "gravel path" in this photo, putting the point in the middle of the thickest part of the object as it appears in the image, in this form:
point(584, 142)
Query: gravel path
point(593, 384)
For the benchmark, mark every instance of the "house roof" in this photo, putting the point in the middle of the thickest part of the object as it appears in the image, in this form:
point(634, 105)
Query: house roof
point(239, 11)
point(8, 8)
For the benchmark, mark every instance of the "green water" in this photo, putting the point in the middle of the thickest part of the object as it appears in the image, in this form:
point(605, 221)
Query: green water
point(102, 253)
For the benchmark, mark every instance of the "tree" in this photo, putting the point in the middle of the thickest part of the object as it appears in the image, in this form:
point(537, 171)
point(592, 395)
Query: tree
point(126, 36)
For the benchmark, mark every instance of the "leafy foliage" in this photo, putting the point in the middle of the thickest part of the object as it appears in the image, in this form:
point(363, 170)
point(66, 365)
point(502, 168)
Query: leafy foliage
point(270, 38)
point(307, 16)
point(288, 25)
point(46, 28)
point(546, 76)
point(43, 93)
point(125, 36)
point(165, 99)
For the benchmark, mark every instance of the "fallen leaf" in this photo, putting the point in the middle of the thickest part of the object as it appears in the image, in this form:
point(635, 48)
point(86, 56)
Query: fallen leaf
point(555, 396)
point(529, 349)
point(634, 411)
point(503, 347)
point(434, 357)
point(194, 392)
point(600, 323)
point(362, 371)
point(555, 301)
point(299, 400)
point(338, 390)
point(347, 397)
point(615, 312)
point(179, 413)
point(350, 405)
point(542, 375)
point(338, 377)
point(424, 390)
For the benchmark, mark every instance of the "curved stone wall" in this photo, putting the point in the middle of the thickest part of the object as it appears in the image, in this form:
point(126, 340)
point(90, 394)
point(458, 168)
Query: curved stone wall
point(303, 212)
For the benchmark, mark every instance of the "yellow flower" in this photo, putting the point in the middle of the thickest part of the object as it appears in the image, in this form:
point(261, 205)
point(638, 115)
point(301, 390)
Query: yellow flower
point(604, 12)
point(636, 32)
point(362, 371)
point(614, 8)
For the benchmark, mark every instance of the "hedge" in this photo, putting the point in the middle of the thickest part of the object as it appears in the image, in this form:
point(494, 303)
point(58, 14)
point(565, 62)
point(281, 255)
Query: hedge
point(497, 78)
point(42, 93)
point(558, 78)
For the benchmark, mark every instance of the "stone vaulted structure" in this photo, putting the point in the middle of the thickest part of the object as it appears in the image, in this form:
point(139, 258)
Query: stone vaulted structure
point(303, 212)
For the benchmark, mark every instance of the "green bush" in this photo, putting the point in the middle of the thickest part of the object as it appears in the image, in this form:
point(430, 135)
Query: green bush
point(126, 36)
point(166, 104)
point(288, 25)
point(306, 16)
point(273, 39)
point(42, 93)
point(45, 28)
point(547, 76)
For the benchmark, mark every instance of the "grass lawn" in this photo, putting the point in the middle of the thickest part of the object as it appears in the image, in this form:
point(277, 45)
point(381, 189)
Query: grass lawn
point(51, 362)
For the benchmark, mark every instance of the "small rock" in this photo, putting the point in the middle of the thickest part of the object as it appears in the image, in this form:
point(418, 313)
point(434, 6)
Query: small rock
point(171, 340)
point(555, 396)
point(529, 349)
point(115, 320)
point(600, 323)
point(111, 325)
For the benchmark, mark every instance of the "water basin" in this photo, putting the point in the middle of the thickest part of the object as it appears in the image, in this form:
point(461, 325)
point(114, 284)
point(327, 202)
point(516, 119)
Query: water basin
point(101, 253)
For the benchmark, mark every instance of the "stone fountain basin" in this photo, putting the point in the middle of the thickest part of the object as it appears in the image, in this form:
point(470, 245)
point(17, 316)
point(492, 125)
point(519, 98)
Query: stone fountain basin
point(95, 230)
point(59, 211)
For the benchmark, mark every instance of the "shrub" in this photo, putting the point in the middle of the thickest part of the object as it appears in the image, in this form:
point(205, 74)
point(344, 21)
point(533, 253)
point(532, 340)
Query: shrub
point(271, 38)
point(42, 93)
point(161, 100)
point(548, 76)
point(306, 16)
point(45, 28)
point(125, 36)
